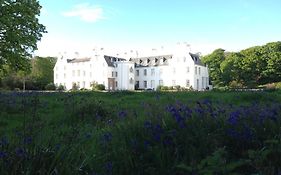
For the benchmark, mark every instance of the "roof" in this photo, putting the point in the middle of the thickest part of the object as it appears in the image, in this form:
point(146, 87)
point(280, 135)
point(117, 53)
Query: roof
point(151, 61)
point(78, 60)
point(110, 60)
point(196, 59)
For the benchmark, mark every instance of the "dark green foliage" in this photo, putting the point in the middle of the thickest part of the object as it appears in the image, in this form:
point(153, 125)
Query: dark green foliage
point(60, 88)
point(248, 68)
point(97, 87)
point(173, 133)
point(40, 74)
point(50, 87)
point(19, 32)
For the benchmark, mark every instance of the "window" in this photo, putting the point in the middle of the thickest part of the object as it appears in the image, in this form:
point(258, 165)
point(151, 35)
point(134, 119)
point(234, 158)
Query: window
point(112, 74)
point(152, 84)
point(131, 69)
point(64, 67)
point(84, 73)
point(137, 84)
point(90, 65)
point(78, 73)
point(116, 74)
point(174, 82)
point(144, 72)
point(197, 84)
point(137, 72)
point(91, 74)
point(199, 70)
point(116, 84)
point(152, 72)
point(84, 84)
point(187, 69)
point(160, 82)
point(64, 75)
point(131, 81)
point(195, 70)
point(145, 84)
point(73, 73)
point(78, 84)
point(203, 80)
point(187, 83)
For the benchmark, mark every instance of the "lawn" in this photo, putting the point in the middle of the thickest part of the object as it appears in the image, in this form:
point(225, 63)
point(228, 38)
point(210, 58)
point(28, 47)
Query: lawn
point(140, 133)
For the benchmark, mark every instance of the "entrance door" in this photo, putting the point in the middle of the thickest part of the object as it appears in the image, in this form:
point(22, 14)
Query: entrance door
point(111, 84)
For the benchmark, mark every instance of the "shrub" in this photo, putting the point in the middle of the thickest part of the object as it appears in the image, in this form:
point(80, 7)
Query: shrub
point(278, 85)
point(178, 87)
point(170, 88)
point(74, 87)
point(164, 88)
point(100, 87)
point(50, 87)
point(61, 88)
point(97, 87)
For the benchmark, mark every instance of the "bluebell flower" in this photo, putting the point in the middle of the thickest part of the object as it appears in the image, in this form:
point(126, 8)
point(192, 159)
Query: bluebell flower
point(109, 167)
point(27, 140)
point(147, 124)
point(234, 117)
point(167, 141)
point(107, 137)
point(20, 152)
point(3, 154)
point(122, 114)
point(146, 144)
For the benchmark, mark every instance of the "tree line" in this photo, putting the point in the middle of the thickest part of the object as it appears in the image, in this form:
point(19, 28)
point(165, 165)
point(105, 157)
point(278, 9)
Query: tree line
point(248, 68)
point(36, 78)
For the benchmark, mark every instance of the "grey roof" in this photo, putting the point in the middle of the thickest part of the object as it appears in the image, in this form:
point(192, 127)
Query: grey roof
point(196, 59)
point(151, 61)
point(110, 60)
point(78, 60)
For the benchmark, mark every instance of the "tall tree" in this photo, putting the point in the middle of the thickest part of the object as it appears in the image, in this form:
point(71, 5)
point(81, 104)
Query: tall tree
point(19, 32)
point(213, 61)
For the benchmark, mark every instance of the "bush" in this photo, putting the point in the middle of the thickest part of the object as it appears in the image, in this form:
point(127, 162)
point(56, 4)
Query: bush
point(178, 87)
point(278, 85)
point(97, 87)
point(50, 87)
point(164, 88)
point(74, 87)
point(100, 87)
point(61, 88)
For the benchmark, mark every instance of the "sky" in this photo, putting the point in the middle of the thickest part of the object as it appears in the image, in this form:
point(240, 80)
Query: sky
point(142, 25)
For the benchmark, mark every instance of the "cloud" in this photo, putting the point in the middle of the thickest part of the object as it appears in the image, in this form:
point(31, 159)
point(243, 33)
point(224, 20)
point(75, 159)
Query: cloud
point(86, 13)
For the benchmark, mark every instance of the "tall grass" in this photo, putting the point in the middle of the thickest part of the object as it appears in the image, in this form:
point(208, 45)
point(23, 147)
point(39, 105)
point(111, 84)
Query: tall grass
point(140, 133)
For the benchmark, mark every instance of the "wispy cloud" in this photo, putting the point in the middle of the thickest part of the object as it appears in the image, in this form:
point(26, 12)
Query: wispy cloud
point(86, 12)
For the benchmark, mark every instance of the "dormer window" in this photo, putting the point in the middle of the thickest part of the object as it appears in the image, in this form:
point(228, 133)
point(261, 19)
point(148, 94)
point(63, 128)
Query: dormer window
point(148, 60)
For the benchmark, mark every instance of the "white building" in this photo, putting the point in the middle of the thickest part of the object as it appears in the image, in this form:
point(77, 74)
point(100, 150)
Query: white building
point(179, 69)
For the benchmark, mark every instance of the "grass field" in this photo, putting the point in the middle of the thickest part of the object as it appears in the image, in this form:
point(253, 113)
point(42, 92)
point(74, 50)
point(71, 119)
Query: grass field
point(140, 133)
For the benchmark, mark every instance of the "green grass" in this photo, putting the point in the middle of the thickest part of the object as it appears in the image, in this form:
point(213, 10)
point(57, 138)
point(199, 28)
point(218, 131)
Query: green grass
point(140, 133)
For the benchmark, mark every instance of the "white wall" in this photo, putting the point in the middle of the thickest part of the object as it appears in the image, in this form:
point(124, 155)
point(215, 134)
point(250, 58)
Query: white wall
point(125, 76)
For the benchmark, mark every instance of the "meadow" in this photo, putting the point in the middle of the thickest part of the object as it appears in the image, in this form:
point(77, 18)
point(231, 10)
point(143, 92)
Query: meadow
point(167, 133)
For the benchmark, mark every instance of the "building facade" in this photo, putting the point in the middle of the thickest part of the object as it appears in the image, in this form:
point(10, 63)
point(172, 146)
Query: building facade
point(180, 69)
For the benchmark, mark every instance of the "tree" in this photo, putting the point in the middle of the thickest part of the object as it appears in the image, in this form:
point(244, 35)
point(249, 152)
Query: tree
point(19, 32)
point(42, 71)
point(213, 61)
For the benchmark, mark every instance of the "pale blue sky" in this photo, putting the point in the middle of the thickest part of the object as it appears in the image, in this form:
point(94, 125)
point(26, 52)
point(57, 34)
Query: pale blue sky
point(81, 25)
